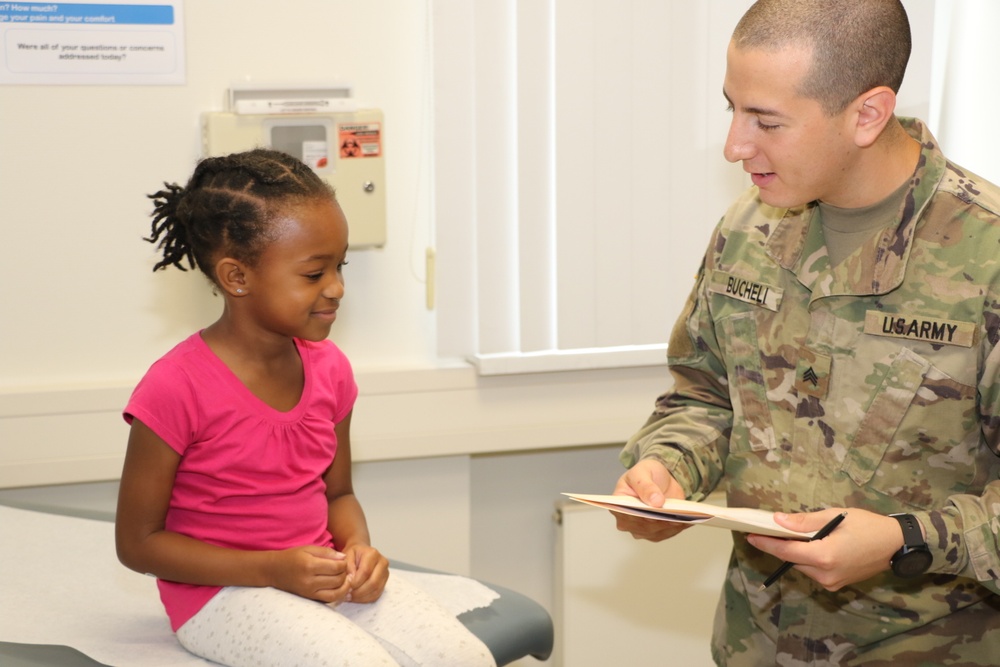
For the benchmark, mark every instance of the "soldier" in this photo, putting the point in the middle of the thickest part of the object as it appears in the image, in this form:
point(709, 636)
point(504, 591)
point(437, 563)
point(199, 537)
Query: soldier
point(839, 352)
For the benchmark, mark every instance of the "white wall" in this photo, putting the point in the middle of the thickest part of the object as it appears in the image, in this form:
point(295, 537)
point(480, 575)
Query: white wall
point(656, 600)
point(80, 304)
point(965, 100)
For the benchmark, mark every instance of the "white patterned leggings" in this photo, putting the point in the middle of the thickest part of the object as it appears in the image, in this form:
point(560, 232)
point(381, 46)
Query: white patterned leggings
point(265, 627)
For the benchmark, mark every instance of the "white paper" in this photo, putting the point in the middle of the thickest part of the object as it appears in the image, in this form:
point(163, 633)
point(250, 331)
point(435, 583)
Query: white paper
point(741, 519)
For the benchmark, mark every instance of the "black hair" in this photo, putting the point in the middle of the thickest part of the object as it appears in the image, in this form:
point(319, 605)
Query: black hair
point(227, 206)
point(857, 44)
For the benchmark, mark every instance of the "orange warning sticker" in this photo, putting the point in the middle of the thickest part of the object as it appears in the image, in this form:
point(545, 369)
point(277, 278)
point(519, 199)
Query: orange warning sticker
point(360, 140)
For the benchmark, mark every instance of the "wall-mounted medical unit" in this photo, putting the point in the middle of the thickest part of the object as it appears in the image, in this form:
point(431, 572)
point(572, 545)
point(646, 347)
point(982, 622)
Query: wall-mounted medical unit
point(322, 126)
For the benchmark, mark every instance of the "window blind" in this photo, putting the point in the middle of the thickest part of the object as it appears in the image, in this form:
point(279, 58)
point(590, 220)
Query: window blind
point(578, 175)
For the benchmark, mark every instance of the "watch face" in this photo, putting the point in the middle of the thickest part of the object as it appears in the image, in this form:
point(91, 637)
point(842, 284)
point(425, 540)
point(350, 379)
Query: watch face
point(912, 563)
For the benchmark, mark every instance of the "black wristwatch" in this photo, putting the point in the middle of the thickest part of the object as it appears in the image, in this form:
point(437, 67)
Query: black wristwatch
point(914, 558)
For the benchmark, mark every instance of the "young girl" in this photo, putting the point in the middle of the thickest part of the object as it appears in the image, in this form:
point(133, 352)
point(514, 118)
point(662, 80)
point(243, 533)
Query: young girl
point(236, 490)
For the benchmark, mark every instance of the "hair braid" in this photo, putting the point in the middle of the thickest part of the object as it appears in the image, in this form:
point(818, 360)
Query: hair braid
point(227, 206)
point(168, 224)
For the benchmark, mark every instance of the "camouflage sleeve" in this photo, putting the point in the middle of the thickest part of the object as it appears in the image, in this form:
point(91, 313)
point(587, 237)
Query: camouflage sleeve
point(690, 426)
point(964, 536)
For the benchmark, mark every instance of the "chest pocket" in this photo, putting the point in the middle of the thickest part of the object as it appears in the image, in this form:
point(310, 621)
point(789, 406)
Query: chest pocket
point(751, 415)
point(880, 423)
point(919, 436)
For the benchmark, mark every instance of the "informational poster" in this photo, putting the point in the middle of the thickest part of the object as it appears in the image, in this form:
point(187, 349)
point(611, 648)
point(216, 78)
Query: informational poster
point(137, 43)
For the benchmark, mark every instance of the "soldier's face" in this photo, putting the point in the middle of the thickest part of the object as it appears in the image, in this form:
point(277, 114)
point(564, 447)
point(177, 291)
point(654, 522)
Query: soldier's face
point(793, 150)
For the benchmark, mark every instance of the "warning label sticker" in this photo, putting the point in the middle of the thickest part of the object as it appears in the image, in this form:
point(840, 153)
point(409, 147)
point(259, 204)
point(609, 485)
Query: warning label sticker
point(360, 140)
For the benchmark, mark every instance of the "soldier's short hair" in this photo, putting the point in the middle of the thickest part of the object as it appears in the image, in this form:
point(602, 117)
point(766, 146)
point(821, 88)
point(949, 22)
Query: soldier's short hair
point(857, 44)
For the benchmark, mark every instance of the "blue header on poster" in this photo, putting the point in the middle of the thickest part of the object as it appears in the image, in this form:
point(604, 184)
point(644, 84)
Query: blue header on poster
point(67, 13)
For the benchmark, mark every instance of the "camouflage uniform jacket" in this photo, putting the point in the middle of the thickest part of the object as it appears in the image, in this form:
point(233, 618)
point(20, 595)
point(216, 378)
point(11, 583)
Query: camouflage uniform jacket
point(871, 384)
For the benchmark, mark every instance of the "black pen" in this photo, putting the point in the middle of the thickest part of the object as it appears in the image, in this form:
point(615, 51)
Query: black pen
point(820, 534)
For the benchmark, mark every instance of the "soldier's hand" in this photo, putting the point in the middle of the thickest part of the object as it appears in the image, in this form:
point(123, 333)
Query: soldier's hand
point(649, 481)
point(858, 549)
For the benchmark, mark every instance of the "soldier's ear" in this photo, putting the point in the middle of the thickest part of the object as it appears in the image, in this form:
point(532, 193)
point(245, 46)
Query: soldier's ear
point(872, 110)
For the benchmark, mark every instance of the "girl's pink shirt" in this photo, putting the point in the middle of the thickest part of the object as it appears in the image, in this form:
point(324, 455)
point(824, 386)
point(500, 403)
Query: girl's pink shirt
point(250, 477)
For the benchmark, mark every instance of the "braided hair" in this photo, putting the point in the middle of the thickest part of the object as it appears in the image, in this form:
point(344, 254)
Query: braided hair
point(226, 207)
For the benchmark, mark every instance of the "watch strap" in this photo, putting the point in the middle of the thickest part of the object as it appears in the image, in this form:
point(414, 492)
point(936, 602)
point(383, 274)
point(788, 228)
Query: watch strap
point(912, 535)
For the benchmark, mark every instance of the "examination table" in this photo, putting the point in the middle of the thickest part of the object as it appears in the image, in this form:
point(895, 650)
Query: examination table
point(66, 601)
